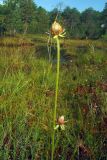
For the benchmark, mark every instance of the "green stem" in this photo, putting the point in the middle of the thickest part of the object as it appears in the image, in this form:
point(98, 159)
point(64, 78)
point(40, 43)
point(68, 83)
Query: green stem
point(56, 97)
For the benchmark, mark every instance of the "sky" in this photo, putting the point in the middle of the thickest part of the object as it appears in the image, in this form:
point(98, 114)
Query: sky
point(79, 4)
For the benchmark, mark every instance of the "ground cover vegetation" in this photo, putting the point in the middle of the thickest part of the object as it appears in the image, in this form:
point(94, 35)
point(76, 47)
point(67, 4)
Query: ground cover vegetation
point(27, 90)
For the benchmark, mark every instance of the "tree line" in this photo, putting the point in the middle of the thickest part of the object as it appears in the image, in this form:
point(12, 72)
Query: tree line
point(24, 16)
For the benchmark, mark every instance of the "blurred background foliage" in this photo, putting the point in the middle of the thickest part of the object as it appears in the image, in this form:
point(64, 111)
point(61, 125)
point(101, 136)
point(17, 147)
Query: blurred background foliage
point(17, 16)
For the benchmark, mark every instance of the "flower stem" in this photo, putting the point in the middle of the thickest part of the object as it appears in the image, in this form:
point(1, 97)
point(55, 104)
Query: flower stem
point(56, 96)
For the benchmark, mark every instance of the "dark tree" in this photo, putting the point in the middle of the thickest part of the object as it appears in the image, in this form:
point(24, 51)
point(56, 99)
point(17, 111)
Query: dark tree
point(90, 21)
point(27, 11)
point(72, 21)
point(104, 20)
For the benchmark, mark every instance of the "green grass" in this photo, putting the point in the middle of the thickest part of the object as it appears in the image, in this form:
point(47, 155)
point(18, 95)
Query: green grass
point(27, 90)
point(19, 40)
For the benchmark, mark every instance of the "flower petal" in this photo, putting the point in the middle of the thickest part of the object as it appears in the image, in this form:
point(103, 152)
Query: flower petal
point(56, 127)
point(62, 127)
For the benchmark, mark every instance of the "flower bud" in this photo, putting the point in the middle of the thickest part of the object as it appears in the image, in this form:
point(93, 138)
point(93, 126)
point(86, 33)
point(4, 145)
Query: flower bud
point(61, 120)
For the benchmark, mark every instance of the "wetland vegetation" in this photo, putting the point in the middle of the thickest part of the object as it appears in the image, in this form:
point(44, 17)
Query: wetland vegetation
point(27, 89)
point(28, 69)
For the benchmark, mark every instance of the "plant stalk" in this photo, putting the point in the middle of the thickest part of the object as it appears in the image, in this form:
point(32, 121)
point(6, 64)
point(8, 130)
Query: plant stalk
point(56, 97)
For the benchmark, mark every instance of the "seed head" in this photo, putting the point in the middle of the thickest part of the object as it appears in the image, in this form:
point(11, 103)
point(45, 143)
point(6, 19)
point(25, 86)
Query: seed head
point(56, 29)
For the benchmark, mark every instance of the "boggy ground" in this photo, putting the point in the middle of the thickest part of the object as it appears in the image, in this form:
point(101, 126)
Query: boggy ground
point(27, 87)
